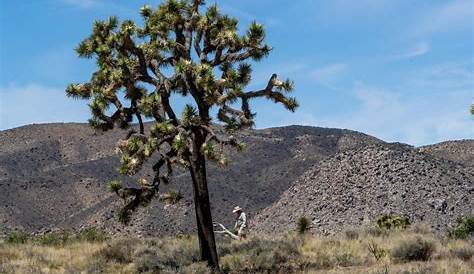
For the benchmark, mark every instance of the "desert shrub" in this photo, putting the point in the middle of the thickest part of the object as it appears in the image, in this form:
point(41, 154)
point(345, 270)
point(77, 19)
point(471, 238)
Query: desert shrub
point(351, 234)
point(417, 249)
point(376, 251)
point(464, 229)
point(172, 197)
point(17, 237)
point(197, 268)
point(114, 186)
point(167, 254)
point(257, 255)
point(90, 235)
point(119, 251)
point(303, 224)
point(393, 222)
point(464, 253)
point(53, 239)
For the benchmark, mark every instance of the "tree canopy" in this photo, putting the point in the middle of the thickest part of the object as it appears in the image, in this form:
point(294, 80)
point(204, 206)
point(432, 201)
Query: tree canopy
point(177, 50)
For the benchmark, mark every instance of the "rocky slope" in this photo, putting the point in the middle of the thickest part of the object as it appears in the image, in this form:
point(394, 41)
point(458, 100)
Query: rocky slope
point(434, 184)
point(53, 176)
point(461, 151)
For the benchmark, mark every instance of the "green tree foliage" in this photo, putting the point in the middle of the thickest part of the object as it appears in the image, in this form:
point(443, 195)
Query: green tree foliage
point(187, 48)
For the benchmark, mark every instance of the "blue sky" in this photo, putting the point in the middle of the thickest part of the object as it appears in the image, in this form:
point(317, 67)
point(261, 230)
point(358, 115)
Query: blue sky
point(401, 70)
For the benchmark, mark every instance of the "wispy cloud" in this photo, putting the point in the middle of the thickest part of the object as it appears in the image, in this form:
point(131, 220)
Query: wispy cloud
point(82, 3)
point(451, 15)
point(326, 75)
point(418, 50)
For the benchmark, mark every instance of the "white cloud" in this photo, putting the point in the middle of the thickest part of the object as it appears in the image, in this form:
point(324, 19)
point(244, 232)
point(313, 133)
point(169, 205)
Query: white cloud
point(451, 15)
point(414, 112)
point(418, 50)
point(82, 3)
point(33, 103)
point(327, 75)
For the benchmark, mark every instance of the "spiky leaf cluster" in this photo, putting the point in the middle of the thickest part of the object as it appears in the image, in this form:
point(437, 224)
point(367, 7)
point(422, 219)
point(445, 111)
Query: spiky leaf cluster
point(181, 47)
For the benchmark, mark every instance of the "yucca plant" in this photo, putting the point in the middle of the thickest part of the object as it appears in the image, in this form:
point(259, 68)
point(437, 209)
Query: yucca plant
point(182, 47)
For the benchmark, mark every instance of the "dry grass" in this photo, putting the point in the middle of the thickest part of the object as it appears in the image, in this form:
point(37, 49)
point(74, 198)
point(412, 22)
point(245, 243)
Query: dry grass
point(345, 253)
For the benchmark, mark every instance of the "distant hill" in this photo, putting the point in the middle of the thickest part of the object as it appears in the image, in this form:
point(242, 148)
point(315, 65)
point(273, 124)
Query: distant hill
point(355, 187)
point(53, 176)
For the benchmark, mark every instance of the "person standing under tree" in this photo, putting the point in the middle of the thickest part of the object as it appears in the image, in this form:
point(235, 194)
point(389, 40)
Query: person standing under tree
point(241, 222)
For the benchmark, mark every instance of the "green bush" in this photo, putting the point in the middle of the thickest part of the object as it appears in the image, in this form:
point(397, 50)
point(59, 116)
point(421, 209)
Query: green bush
point(90, 235)
point(417, 249)
point(17, 237)
point(303, 225)
point(54, 239)
point(464, 229)
point(393, 222)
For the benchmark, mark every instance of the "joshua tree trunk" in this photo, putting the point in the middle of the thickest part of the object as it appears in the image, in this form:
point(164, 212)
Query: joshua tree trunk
point(202, 205)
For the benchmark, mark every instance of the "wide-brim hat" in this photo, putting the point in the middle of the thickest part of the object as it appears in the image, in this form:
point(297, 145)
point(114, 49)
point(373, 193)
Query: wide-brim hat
point(236, 209)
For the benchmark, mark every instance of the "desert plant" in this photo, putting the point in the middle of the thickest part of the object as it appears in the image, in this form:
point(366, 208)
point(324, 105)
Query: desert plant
point(172, 197)
point(120, 251)
point(393, 222)
point(178, 50)
point(197, 268)
point(90, 235)
point(17, 237)
point(351, 234)
point(376, 251)
point(417, 249)
point(464, 228)
point(259, 255)
point(303, 224)
point(115, 186)
point(53, 238)
point(464, 253)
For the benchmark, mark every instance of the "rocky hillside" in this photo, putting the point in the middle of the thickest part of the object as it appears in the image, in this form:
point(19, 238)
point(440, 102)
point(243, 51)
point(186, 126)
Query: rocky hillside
point(456, 151)
point(53, 176)
point(434, 184)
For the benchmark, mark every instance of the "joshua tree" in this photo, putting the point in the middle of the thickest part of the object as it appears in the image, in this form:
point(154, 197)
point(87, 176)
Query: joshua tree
point(177, 50)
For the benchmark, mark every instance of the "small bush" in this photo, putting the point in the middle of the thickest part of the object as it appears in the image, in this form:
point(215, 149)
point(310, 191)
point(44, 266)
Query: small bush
point(375, 231)
point(197, 268)
point(303, 225)
point(259, 255)
point(172, 197)
point(114, 186)
point(464, 229)
point(53, 239)
point(119, 251)
point(392, 222)
point(17, 237)
point(417, 249)
point(376, 251)
point(90, 235)
point(351, 234)
point(463, 253)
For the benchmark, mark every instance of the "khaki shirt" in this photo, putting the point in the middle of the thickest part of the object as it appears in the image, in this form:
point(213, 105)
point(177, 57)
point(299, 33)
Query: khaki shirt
point(241, 222)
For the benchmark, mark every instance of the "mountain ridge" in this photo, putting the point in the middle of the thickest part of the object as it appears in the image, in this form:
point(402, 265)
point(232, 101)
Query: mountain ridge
point(53, 176)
